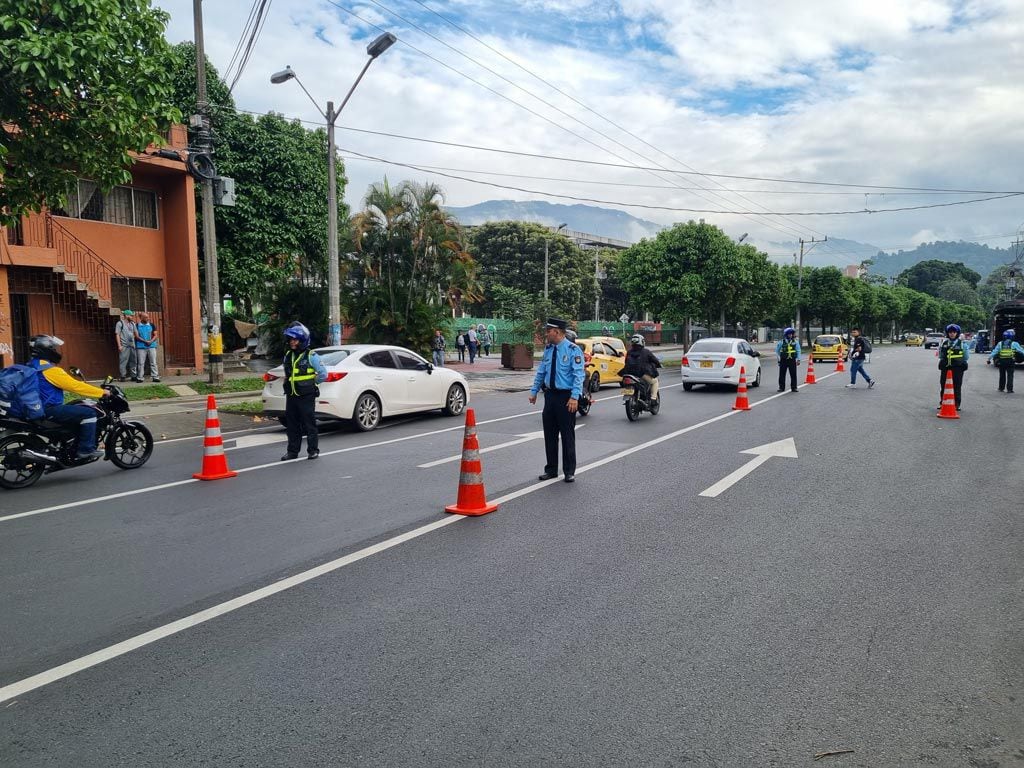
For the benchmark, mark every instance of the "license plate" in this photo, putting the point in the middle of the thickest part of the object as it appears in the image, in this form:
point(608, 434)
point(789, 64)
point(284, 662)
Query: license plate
point(707, 364)
point(627, 392)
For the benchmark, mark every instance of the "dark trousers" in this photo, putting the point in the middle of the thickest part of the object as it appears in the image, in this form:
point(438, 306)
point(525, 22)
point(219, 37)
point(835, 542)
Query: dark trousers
point(1006, 378)
point(299, 419)
point(958, 383)
point(559, 422)
point(790, 367)
point(81, 416)
point(471, 347)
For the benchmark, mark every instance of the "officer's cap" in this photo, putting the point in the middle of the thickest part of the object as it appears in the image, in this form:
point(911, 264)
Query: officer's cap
point(555, 322)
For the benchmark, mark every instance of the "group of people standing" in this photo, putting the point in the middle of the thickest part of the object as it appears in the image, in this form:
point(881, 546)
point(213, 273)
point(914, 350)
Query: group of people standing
point(472, 341)
point(136, 346)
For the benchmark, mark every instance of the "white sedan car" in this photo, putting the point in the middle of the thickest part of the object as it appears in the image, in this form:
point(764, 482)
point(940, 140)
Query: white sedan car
point(368, 382)
point(718, 361)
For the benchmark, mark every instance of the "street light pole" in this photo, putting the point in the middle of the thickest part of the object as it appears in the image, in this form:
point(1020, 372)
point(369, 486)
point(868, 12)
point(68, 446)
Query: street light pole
point(373, 50)
point(546, 240)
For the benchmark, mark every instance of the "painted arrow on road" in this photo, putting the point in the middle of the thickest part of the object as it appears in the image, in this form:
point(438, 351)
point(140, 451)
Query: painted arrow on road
point(782, 448)
point(524, 438)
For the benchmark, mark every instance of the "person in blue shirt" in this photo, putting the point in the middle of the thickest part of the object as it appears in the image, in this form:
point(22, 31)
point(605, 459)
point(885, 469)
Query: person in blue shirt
point(953, 356)
point(1005, 353)
point(788, 353)
point(560, 375)
point(303, 370)
point(145, 349)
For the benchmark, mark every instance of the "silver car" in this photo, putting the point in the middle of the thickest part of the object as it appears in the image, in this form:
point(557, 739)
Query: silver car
point(718, 361)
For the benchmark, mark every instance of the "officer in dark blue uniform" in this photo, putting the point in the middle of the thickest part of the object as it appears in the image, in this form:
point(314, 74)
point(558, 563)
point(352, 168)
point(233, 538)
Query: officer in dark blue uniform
point(560, 374)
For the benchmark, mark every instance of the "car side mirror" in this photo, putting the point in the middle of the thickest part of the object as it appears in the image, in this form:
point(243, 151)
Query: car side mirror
point(77, 373)
point(428, 367)
point(755, 353)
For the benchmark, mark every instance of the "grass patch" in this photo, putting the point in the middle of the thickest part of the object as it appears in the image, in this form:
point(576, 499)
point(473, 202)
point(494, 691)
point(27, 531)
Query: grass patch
point(147, 392)
point(247, 384)
point(244, 407)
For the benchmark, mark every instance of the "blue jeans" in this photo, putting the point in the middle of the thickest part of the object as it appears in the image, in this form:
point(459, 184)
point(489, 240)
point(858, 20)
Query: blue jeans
point(855, 367)
point(472, 350)
point(439, 358)
point(83, 416)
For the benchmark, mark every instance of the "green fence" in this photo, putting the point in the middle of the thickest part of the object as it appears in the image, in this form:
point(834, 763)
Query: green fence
point(502, 330)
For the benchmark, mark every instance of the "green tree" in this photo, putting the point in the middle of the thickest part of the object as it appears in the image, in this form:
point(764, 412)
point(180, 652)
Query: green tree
point(663, 275)
point(82, 83)
point(925, 276)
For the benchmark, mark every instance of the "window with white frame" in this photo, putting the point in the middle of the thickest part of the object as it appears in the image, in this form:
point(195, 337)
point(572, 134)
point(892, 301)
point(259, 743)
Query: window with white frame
point(129, 206)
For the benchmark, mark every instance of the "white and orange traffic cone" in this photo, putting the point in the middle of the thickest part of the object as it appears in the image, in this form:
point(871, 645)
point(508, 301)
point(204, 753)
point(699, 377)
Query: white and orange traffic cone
point(810, 372)
point(215, 463)
point(948, 409)
point(742, 404)
point(840, 368)
point(472, 498)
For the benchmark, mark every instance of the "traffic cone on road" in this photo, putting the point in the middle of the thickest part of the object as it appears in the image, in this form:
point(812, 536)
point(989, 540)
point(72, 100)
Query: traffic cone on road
point(840, 368)
point(472, 498)
point(215, 463)
point(948, 409)
point(810, 372)
point(742, 404)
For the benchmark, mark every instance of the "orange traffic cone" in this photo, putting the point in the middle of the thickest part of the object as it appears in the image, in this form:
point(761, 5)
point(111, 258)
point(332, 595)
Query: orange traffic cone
point(215, 463)
point(810, 372)
point(948, 409)
point(840, 368)
point(472, 499)
point(742, 404)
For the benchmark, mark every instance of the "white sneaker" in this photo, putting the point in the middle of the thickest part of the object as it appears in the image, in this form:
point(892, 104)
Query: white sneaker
point(871, 384)
point(850, 386)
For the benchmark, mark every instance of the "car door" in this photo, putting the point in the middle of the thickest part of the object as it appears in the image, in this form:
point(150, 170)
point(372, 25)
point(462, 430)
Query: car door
point(749, 361)
point(422, 389)
point(387, 380)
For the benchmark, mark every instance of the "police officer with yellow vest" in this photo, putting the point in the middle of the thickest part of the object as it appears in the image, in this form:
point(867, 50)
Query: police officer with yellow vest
point(788, 353)
point(303, 370)
point(1006, 354)
point(561, 375)
point(953, 355)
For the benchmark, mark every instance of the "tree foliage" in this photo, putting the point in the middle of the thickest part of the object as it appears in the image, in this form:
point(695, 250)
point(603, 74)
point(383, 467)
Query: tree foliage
point(925, 276)
point(82, 83)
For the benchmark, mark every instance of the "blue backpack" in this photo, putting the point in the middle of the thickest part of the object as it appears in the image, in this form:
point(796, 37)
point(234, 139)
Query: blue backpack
point(19, 393)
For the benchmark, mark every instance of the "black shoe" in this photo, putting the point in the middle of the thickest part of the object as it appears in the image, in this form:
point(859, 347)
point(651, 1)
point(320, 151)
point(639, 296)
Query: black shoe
point(795, 391)
point(88, 456)
point(547, 476)
point(1002, 390)
point(570, 478)
point(155, 380)
point(122, 379)
point(782, 389)
point(138, 381)
point(289, 457)
point(313, 455)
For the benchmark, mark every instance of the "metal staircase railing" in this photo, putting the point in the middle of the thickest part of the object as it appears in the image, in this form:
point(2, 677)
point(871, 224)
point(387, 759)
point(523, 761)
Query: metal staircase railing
point(82, 264)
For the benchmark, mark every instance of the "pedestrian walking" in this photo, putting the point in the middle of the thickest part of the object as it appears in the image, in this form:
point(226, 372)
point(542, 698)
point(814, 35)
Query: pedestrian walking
point(437, 348)
point(145, 348)
point(560, 375)
point(471, 339)
point(484, 338)
point(124, 333)
point(858, 353)
point(460, 346)
point(788, 352)
point(1007, 353)
point(953, 356)
point(303, 370)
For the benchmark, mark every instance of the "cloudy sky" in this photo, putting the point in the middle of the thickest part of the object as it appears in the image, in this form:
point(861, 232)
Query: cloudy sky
point(898, 93)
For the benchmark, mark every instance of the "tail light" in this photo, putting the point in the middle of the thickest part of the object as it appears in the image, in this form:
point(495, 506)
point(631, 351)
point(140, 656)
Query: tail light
point(686, 362)
point(730, 362)
point(270, 377)
point(335, 376)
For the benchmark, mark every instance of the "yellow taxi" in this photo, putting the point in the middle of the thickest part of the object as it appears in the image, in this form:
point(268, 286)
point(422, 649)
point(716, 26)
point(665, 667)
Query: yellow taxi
point(827, 347)
point(603, 360)
point(913, 340)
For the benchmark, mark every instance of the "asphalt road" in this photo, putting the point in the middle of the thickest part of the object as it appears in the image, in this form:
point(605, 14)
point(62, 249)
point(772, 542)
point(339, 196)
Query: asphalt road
point(865, 596)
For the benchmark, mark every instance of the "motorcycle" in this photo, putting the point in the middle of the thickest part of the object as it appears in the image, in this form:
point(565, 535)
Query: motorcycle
point(586, 399)
point(636, 397)
point(30, 449)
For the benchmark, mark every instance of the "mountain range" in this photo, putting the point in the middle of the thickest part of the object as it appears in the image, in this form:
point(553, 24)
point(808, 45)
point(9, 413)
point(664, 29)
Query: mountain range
point(593, 220)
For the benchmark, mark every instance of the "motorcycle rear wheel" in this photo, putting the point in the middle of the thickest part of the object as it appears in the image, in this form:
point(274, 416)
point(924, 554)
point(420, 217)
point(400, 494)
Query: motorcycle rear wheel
point(130, 445)
point(583, 406)
point(15, 471)
point(633, 408)
point(656, 405)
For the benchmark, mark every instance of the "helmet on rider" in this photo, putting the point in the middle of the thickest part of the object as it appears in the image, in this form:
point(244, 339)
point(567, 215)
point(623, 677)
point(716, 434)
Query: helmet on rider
point(954, 328)
point(637, 340)
point(570, 334)
point(299, 332)
point(1009, 333)
point(789, 332)
point(46, 348)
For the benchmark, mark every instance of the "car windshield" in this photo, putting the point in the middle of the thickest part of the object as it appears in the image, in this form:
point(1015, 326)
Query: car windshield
point(711, 346)
point(827, 341)
point(334, 356)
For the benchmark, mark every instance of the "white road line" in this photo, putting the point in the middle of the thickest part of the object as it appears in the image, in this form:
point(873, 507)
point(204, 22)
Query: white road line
point(525, 438)
point(28, 684)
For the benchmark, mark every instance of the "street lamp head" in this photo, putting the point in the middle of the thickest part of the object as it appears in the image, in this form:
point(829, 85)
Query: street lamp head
point(742, 237)
point(380, 44)
point(561, 227)
point(283, 76)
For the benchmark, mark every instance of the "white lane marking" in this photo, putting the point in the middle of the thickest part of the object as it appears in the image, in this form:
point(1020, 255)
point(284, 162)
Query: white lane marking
point(780, 448)
point(255, 440)
point(524, 438)
point(22, 687)
point(223, 434)
point(28, 684)
point(95, 500)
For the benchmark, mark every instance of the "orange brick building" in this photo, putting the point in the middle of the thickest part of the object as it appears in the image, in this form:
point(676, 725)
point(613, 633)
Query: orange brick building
point(69, 273)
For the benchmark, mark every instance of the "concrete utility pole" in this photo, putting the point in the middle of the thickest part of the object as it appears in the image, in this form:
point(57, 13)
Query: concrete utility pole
point(597, 285)
point(800, 276)
point(204, 142)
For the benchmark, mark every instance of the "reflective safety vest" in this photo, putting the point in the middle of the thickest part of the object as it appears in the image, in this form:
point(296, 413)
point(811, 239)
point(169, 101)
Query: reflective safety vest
point(299, 375)
point(954, 354)
point(1005, 350)
point(788, 349)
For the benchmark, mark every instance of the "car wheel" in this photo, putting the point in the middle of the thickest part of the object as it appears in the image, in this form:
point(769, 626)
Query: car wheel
point(595, 382)
point(687, 386)
point(455, 400)
point(366, 415)
point(757, 379)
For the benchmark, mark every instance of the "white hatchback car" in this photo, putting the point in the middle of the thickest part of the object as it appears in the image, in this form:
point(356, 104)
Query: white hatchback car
point(367, 382)
point(718, 361)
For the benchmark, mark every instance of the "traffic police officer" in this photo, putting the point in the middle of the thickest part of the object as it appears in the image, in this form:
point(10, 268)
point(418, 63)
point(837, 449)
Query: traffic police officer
point(788, 353)
point(953, 355)
point(1005, 353)
point(560, 375)
point(303, 370)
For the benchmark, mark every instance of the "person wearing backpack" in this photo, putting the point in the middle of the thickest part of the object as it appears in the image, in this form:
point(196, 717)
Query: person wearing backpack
point(460, 345)
point(1007, 353)
point(124, 333)
point(54, 381)
point(860, 348)
point(953, 356)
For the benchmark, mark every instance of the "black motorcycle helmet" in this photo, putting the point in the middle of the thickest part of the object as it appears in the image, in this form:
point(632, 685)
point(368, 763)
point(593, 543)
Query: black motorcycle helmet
point(46, 348)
